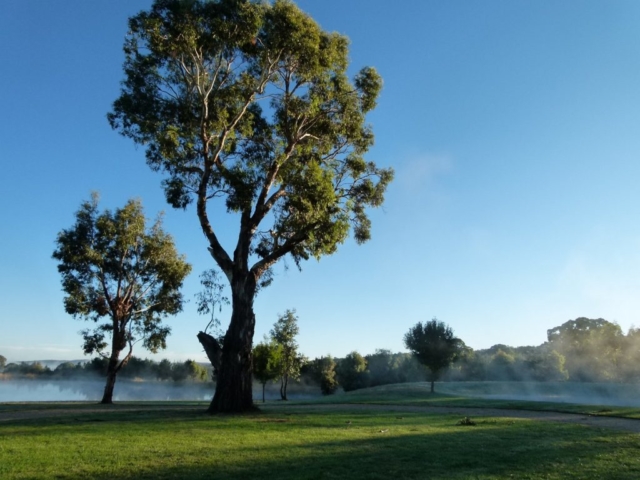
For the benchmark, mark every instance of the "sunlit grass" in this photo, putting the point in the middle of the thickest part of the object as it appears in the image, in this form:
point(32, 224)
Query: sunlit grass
point(290, 442)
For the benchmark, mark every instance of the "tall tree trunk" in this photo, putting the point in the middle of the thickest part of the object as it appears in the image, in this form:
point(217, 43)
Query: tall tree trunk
point(283, 387)
point(263, 386)
point(112, 371)
point(234, 392)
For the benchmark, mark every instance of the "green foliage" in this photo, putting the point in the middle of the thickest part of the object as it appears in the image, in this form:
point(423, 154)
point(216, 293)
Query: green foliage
point(211, 297)
point(629, 365)
point(283, 334)
point(123, 277)
point(434, 345)
point(546, 365)
point(136, 368)
point(382, 367)
point(164, 369)
point(324, 372)
point(250, 102)
point(69, 370)
point(28, 369)
point(188, 370)
point(267, 359)
point(502, 365)
point(593, 348)
point(252, 59)
point(97, 366)
point(3, 362)
point(120, 275)
point(352, 372)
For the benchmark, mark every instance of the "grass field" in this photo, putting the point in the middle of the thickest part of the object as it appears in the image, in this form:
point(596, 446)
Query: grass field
point(418, 394)
point(292, 441)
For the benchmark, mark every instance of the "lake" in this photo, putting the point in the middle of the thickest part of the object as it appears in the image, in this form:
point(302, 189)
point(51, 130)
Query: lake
point(91, 390)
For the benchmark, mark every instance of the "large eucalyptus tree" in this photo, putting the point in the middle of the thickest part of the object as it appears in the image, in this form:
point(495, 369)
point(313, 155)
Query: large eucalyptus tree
point(250, 101)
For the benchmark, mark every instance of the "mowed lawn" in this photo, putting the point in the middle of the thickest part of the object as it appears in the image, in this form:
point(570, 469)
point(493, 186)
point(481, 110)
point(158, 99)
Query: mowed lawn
point(149, 441)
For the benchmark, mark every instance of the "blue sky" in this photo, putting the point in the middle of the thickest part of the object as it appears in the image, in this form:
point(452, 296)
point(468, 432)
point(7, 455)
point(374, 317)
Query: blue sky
point(512, 127)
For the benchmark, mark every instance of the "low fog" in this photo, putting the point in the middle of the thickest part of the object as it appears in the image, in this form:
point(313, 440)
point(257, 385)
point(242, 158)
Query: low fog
point(25, 390)
point(587, 361)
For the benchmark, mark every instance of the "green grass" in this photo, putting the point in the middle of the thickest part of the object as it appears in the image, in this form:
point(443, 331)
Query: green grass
point(290, 442)
point(418, 394)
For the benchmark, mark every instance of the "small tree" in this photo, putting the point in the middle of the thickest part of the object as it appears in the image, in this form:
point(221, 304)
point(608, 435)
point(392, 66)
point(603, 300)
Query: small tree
point(284, 333)
point(122, 277)
point(3, 362)
point(434, 345)
point(266, 363)
point(324, 372)
point(352, 371)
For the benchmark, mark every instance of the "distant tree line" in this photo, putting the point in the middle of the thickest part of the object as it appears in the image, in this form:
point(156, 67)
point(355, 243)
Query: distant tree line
point(357, 371)
point(580, 350)
point(164, 370)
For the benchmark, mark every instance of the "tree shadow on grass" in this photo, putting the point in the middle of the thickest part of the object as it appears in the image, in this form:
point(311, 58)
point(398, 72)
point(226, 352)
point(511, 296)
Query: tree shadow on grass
point(491, 449)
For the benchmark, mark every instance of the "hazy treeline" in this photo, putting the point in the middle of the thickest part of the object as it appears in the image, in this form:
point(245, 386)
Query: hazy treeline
point(137, 368)
point(356, 371)
point(580, 350)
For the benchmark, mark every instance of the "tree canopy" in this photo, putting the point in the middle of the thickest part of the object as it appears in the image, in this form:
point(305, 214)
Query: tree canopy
point(267, 357)
point(434, 345)
point(123, 277)
point(250, 103)
point(352, 371)
point(593, 348)
point(324, 373)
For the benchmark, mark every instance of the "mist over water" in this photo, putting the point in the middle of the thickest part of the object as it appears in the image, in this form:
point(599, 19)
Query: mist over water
point(31, 390)
point(92, 390)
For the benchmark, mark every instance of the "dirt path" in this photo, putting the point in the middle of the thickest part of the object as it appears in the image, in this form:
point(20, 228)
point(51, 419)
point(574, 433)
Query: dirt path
point(627, 424)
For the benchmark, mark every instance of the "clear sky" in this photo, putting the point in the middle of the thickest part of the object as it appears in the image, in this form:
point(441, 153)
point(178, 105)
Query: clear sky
point(513, 127)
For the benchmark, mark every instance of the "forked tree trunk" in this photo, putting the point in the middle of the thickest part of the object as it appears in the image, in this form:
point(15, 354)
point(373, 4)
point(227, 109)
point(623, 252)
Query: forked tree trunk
point(234, 391)
point(118, 343)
